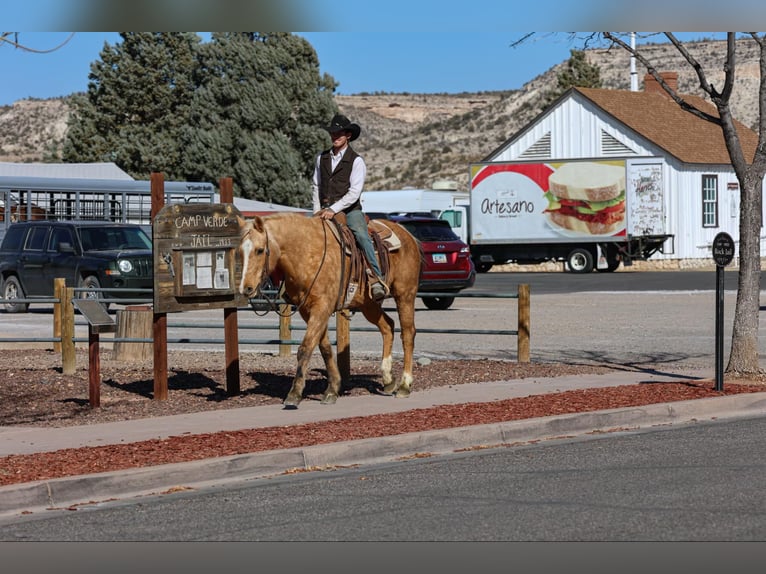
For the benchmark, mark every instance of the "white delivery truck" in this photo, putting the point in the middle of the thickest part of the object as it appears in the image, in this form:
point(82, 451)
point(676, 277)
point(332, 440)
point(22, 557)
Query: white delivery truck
point(589, 214)
point(429, 202)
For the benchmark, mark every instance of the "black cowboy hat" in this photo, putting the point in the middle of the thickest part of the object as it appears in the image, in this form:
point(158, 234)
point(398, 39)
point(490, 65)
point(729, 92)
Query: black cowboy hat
point(341, 123)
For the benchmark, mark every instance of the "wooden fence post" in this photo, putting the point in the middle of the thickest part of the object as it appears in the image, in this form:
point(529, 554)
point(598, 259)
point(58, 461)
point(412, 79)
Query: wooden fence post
point(68, 361)
point(94, 369)
point(230, 320)
point(159, 320)
point(59, 286)
point(523, 330)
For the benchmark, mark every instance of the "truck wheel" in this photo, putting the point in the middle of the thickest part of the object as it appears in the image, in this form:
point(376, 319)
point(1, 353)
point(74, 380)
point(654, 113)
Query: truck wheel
point(612, 263)
point(12, 290)
point(438, 303)
point(482, 266)
point(580, 261)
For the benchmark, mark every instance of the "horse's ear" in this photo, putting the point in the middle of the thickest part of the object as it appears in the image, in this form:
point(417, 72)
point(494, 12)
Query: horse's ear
point(256, 223)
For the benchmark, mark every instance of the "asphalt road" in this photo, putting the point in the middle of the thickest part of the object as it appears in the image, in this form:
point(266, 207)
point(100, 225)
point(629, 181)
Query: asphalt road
point(547, 283)
point(695, 482)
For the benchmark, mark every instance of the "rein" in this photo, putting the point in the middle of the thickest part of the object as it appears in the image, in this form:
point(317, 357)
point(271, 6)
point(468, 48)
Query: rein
point(265, 277)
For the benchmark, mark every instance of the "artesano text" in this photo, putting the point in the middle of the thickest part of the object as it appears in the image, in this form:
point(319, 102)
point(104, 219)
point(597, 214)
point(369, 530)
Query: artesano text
point(495, 206)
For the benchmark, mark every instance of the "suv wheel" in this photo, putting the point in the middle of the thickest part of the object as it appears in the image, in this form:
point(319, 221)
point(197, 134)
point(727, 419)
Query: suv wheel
point(92, 282)
point(438, 303)
point(12, 290)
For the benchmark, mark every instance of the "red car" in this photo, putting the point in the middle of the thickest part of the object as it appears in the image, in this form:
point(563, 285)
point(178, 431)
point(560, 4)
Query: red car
point(448, 266)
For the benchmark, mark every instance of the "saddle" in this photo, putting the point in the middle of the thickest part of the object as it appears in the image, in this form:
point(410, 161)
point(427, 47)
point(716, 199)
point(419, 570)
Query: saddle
point(383, 239)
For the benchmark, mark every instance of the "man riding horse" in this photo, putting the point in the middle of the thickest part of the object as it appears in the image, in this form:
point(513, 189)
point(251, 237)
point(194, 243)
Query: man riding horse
point(336, 188)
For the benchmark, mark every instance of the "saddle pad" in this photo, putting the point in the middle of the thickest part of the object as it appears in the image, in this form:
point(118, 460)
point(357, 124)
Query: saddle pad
point(387, 234)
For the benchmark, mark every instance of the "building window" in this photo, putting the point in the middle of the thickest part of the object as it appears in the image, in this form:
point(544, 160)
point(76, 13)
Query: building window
point(709, 201)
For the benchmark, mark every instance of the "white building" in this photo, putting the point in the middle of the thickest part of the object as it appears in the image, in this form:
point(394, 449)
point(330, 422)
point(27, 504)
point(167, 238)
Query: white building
point(700, 189)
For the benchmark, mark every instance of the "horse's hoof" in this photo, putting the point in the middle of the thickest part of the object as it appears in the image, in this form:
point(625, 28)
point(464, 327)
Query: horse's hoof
point(329, 399)
point(402, 393)
point(291, 402)
point(389, 389)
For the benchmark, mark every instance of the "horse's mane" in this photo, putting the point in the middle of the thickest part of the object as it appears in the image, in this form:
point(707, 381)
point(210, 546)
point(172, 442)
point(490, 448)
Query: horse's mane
point(285, 215)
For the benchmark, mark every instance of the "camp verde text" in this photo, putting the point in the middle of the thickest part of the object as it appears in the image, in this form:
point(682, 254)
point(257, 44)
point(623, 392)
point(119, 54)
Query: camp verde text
point(201, 221)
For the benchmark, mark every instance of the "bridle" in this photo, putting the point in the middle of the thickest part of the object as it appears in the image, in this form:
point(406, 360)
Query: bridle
point(266, 276)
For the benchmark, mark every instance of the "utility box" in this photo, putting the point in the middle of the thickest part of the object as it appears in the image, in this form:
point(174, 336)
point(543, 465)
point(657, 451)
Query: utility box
point(195, 257)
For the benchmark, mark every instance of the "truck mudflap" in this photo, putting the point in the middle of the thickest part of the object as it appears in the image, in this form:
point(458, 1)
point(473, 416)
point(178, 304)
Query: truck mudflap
point(642, 247)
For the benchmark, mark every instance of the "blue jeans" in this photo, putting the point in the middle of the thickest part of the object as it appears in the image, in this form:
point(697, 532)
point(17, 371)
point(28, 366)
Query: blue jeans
point(358, 224)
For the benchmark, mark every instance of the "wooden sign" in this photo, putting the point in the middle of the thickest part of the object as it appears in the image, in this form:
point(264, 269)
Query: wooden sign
point(195, 257)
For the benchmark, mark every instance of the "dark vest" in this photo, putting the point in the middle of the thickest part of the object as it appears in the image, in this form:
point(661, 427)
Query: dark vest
point(334, 184)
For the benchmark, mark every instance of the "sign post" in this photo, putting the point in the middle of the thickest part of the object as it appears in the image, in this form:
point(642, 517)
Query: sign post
point(723, 253)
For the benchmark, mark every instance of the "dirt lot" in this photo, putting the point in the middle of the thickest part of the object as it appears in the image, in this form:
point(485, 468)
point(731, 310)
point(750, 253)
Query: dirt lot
point(34, 392)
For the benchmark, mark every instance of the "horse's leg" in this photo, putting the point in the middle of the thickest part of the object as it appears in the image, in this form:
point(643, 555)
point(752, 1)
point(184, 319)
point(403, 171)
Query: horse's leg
point(385, 324)
point(405, 306)
point(316, 326)
point(333, 374)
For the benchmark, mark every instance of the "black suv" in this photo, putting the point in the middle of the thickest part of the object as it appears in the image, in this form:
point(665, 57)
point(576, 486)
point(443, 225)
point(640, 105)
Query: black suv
point(88, 254)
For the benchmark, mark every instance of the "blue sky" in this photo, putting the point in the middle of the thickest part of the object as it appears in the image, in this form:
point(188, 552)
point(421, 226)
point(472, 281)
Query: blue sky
point(416, 46)
point(434, 62)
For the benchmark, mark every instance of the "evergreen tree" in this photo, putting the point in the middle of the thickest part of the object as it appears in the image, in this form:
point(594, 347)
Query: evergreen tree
point(137, 102)
point(577, 73)
point(257, 115)
point(249, 106)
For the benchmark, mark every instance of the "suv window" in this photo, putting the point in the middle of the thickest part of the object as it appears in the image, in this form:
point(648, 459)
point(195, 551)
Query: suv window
point(436, 230)
point(60, 235)
point(36, 239)
point(104, 239)
point(14, 238)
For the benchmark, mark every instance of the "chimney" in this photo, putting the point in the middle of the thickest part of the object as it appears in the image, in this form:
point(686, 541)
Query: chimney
point(653, 86)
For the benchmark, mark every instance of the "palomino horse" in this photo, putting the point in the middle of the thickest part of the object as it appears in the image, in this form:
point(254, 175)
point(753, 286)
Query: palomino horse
point(309, 257)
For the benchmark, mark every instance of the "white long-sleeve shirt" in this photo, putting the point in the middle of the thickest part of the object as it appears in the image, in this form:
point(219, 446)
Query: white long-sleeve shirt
point(358, 174)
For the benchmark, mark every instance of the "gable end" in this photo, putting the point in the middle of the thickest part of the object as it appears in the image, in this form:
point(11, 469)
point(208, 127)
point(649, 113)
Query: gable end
point(541, 149)
point(613, 147)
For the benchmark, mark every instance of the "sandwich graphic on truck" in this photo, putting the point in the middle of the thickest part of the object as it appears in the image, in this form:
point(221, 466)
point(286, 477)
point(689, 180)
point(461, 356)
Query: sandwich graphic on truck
point(587, 198)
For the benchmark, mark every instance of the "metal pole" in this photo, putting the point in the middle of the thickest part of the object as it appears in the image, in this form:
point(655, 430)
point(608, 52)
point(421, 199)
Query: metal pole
point(719, 272)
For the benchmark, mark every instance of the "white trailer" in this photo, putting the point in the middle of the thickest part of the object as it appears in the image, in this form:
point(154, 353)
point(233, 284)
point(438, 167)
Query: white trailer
point(410, 201)
point(586, 213)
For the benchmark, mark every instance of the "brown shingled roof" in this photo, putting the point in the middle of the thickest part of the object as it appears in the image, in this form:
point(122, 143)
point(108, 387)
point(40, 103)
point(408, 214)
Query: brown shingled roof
point(662, 121)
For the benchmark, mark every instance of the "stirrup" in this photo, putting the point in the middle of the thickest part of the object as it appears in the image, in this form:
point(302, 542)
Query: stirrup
point(378, 291)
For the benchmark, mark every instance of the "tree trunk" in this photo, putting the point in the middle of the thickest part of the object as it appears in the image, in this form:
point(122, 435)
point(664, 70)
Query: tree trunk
point(744, 342)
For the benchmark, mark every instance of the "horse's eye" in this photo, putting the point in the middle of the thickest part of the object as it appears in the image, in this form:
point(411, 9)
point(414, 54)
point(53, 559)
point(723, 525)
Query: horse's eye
point(259, 251)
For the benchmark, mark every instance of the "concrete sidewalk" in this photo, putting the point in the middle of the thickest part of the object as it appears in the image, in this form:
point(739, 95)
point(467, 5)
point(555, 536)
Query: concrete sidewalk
point(89, 489)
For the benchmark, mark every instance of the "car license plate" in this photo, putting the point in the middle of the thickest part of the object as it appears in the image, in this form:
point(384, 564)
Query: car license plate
point(439, 257)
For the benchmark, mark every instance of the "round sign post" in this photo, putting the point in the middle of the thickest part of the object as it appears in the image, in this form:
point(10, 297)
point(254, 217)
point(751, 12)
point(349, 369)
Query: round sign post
point(723, 253)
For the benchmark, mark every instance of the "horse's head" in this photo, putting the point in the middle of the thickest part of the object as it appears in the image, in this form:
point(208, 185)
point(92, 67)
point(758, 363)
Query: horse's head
point(254, 251)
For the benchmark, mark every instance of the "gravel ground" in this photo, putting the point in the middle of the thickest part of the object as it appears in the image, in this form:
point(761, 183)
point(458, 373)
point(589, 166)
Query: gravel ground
point(35, 392)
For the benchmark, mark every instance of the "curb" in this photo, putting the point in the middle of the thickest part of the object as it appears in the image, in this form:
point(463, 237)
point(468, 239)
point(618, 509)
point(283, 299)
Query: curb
point(164, 479)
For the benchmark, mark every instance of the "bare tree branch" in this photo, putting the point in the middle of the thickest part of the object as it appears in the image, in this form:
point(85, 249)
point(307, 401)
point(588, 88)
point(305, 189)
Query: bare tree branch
point(5, 39)
point(656, 75)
